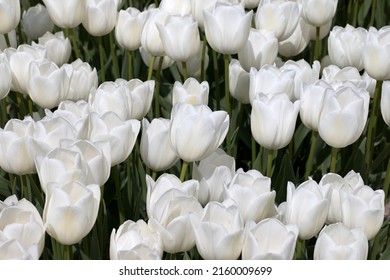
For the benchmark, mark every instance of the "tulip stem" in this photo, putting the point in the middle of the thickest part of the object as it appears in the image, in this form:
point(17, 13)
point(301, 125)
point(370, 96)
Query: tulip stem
point(7, 41)
point(269, 162)
point(150, 73)
point(4, 112)
point(333, 159)
point(101, 57)
point(22, 109)
point(387, 180)
point(317, 45)
point(121, 209)
point(130, 65)
point(67, 252)
point(216, 80)
point(300, 249)
point(185, 73)
point(183, 171)
point(74, 43)
point(115, 64)
point(253, 150)
point(157, 90)
point(154, 175)
point(309, 163)
point(226, 59)
point(372, 125)
point(202, 62)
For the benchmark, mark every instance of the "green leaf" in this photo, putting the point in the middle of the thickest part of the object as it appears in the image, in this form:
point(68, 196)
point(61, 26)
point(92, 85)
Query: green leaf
point(280, 179)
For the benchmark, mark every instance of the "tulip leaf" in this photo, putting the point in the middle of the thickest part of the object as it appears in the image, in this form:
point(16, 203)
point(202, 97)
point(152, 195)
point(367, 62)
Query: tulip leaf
point(363, 12)
point(5, 191)
point(280, 179)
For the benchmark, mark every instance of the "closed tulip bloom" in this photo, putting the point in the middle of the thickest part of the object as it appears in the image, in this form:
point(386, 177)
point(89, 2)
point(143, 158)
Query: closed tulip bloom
point(120, 134)
point(343, 116)
point(100, 16)
point(36, 21)
point(345, 46)
point(9, 15)
point(363, 208)
point(155, 147)
point(227, 27)
point(279, 16)
point(197, 7)
point(269, 239)
point(22, 226)
point(298, 40)
point(66, 14)
point(70, 211)
point(213, 173)
point(58, 47)
point(135, 241)
point(318, 12)
point(305, 207)
point(150, 38)
point(191, 92)
point(251, 192)
point(180, 37)
point(194, 65)
point(219, 232)
point(19, 61)
point(270, 80)
point(48, 84)
point(128, 28)
point(260, 49)
point(337, 242)
point(313, 97)
point(73, 112)
point(376, 53)
point(176, 7)
point(6, 76)
point(196, 131)
point(239, 80)
point(84, 78)
point(385, 102)
point(273, 120)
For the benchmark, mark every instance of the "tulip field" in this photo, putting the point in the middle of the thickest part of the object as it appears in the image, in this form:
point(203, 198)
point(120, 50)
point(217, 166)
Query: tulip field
point(194, 130)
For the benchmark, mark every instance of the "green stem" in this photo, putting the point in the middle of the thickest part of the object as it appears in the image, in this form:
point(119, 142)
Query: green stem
point(54, 247)
point(309, 163)
point(154, 175)
point(185, 73)
point(253, 150)
point(7, 41)
point(372, 125)
point(269, 162)
point(22, 109)
point(202, 62)
point(216, 80)
point(373, 9)
point(121, 208)
point(387, 180)
point(101, 57)
point(130, 65)
point(333, 159)
point(4, 114)
point(238, 124)
point(317, 45)
point(226, 59)
point(67, 252)
point(300, 249)
point(150, 73)
point(183, 171)
point(115, 63)
point(74, 43)
point(26, 187)
point(157, 89)
point(30, 106)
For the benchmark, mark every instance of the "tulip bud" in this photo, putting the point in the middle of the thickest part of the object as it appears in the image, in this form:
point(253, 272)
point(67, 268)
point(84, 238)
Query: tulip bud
point(191, 92)
point(66, 14)
point(10, 15)
point(36, 21)
point(58, 47)
point(318, 12)
point(100, 16)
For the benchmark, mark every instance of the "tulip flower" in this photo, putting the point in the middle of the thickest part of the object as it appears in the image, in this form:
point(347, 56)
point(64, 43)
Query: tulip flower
point(194, 65)
point(337, 242)
point(180, 37)
point(176, 7)
point(48, 84)
point(10, 15)
point(318, 12)
point(376, 53)
point(128, 28)
point(297, 42)
point(22, 233)
point(345, 46)
point(251, 192)
point(270, 80)
point(306, 207)
point(155, 147)
point(100, 16)
point(67, 14)
point(73, 112)
point(196, 131)
point(84, 79)
point(135, 241)
point(239, 81)
point(219, 232)
point(269, 239)
point(191, 91)
point(227, 27)
point(70, 210)
point(363, 208)
point(273, 120)
point(6, 76)
point(58, 47)
point(213, 173)
point(385, 102)
point(36, 21)
point(343, 116)
point(260, 49)
point(279, 16)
